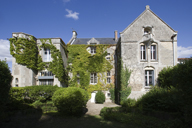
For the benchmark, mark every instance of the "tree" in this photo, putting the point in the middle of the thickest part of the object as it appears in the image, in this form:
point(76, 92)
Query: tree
point(5, 82)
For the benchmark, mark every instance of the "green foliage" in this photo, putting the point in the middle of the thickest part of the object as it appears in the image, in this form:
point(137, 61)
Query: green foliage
point(25, 51)
point(83, 63)
point(46, 107)
point(100, 97)
point(112, 92)
point(17, 93)
point(42, 92)
point(125, 93)
point(70, 100)
point(165, 77)
point(128, 104)
point(5, 82)
point(56, 66)
point(125, 75)
point(161, 99)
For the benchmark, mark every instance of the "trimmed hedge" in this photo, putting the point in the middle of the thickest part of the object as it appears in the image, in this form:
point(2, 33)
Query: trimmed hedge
point(70, 100)
point(100, 97)
point(31, 94)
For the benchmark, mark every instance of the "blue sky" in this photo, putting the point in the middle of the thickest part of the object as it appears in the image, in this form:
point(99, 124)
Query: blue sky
point(90, 18)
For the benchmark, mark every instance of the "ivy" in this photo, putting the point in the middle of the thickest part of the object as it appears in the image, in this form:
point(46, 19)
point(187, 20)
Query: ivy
point(25, 51)
point(56, 66)
point(82, 63)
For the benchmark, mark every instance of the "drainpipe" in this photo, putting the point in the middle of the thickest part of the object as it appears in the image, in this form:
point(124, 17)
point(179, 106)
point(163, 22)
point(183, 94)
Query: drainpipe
point(172, 37)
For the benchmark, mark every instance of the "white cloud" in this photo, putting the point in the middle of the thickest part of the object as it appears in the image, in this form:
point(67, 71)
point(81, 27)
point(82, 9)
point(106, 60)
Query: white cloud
point(4, 50)
point(184, 52)
point(65, 1)
point(72, 14)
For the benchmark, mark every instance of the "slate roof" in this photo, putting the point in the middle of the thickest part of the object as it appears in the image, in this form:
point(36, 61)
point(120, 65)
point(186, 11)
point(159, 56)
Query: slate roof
point(101, 40)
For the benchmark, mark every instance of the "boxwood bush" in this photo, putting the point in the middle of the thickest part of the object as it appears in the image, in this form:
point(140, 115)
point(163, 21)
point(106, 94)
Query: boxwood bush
point(100, 97)
point(70, 100)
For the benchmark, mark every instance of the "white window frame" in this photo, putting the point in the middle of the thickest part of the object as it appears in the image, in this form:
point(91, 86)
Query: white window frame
point(46, 82)
point(47, 55)
point(93, 78)
point(108, 80)
point(153, 50)
point(147, 74)
point(143, 52)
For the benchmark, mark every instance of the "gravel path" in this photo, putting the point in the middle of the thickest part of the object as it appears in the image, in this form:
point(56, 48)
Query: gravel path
point(94, 109)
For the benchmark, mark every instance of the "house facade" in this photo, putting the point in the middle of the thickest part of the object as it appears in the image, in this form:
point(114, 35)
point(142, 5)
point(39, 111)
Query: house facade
point(146, 46)
point(23, 76)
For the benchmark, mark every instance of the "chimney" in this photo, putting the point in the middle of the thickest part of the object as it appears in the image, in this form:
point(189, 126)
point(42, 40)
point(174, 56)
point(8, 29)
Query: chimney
point(74, 34)
point(116, 36)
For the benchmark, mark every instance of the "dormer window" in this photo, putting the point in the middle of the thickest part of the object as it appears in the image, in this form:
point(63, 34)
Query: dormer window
point(47, 55)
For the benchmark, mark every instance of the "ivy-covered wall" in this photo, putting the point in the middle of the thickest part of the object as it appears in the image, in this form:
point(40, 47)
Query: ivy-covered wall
point(27, 53)
point(82, 63)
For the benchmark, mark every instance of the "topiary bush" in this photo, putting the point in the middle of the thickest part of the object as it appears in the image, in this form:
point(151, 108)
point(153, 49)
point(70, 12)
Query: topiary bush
point(100, 97)
point(71, 100)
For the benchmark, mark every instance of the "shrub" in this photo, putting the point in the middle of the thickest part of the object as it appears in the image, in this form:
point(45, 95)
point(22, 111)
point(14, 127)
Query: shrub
point(100, 97)
point(17, 93)
point(70, 100)
point(42, 93)
point(161, 99)
point(125, 93)
point(112, 92)
point(5, 82)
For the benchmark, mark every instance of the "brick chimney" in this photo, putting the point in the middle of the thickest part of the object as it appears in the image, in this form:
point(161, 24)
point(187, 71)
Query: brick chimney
point(116, 36)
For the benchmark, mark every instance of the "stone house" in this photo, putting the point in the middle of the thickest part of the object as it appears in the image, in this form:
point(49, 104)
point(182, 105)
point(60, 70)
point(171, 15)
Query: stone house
point(23, 76)
point(146, 46)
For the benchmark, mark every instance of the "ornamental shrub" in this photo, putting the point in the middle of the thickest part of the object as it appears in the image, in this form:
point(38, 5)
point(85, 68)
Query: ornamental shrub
point(100, 97)
point(17, 93)
point(5, 82)
point(42, 93)
point(70, 100)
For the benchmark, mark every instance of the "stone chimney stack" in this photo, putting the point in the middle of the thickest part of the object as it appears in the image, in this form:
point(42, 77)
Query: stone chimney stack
point(116, 36)
point(74, 34)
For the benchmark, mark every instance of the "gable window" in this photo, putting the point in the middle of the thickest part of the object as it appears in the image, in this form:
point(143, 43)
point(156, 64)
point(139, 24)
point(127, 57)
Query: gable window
point(149, 77)
point(93, 79)
point(47, 55)
point(153, 52)
point(143, 52)
point(16, 80)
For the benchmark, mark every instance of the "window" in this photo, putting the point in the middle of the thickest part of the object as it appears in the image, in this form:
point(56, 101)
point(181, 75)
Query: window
point(108, 77)
point(149, 77)
point(108, 58)
point(46, 73)
point(147, 30)
point(46, 82)
point(93, 49)
point(153, 52)
point(108, 80)
point(108, 54)
point(108, 73)
point(16, 85)
point(143, 52)
point(47, 55)
point(16, 80)
point(93, 78)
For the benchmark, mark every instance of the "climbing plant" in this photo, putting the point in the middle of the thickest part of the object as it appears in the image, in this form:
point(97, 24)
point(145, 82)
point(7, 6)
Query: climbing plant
point(82, 63)
point(26, 52)
point(56, 66)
